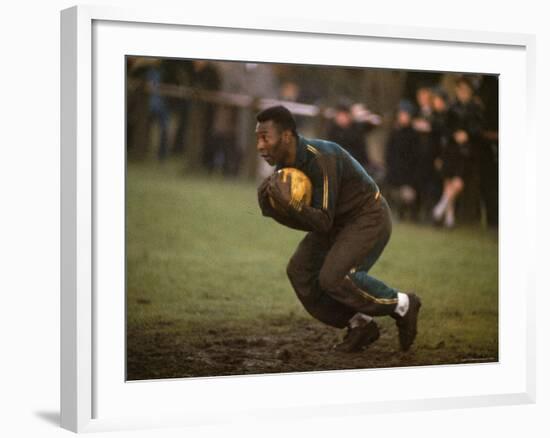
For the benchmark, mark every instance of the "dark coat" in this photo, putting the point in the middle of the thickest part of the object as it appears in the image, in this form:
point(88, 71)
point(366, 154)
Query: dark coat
point(467, 117)
point(402, 157)
point(352, 139)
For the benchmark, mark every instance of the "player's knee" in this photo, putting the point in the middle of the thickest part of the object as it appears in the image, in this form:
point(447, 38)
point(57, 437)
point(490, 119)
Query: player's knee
point(328, 281)
point(292, 269)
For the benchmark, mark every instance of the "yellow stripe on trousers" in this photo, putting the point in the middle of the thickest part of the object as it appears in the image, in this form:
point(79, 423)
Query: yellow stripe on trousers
point(369, 296)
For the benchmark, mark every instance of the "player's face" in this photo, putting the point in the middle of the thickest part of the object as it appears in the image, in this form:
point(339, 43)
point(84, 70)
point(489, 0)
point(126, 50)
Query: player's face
point(270, 143)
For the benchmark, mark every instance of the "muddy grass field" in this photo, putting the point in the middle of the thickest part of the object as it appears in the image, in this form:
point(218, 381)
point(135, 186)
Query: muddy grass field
point(207, 293)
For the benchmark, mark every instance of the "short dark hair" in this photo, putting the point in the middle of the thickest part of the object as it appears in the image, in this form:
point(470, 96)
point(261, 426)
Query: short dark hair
point(279, 115)
point(465, 80)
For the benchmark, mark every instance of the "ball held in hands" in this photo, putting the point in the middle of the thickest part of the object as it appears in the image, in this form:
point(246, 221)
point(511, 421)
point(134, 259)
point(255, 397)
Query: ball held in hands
point(289, 188)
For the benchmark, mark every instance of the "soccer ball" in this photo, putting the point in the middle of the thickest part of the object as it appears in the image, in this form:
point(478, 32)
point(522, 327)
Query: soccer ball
point(300, 189)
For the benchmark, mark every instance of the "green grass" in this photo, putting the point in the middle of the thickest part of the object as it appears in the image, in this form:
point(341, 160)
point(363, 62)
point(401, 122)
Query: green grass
point(199, 250)
point(200, 256)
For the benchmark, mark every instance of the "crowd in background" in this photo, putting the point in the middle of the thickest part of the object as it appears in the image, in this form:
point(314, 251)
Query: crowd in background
point(146, 106)
point(442, 153)
point(440, 160)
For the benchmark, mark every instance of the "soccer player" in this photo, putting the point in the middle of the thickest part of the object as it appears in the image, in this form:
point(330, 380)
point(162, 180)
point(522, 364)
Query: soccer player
point(348, 225)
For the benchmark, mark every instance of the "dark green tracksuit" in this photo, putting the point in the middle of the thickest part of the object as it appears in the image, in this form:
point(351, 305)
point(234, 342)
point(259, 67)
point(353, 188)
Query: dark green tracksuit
point(348, 226)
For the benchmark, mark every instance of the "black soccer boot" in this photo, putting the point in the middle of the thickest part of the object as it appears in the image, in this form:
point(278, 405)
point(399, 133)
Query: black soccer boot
point(358, 338)
point(407, 325)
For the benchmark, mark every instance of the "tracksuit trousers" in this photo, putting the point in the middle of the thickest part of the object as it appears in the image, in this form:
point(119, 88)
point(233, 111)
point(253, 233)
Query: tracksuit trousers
point(329, 272)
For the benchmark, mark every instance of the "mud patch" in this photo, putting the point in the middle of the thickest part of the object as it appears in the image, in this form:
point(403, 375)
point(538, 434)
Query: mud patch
point(161, 351)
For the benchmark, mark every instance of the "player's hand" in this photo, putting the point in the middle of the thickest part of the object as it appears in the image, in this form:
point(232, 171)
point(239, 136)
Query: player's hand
point(263, 198)
point(279, 190)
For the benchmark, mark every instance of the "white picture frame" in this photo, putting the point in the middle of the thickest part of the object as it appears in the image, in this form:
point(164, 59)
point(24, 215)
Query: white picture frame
point(85, 173)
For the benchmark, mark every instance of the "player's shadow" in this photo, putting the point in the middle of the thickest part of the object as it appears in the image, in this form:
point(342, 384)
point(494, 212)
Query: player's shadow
point(51, 417)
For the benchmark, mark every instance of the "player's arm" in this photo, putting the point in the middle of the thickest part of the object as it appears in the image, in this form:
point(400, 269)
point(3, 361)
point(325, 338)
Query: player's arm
point(324, 179)
point(269, 211)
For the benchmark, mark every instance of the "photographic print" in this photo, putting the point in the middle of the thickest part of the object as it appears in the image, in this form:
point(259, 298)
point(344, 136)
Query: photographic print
point(297, 218)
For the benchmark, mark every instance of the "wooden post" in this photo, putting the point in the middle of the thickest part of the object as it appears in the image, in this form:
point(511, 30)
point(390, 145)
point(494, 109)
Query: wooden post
point(139, 126)
point(321, 123)
point(195, 136)
point(247, 141)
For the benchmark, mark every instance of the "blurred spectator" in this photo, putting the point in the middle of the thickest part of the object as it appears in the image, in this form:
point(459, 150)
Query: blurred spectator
point(349, 128)
point(424, 112)
point(136, 108)
point(157, 106)
point(419, 79)
point(204, 76)
point(489, 149)
point(224, 136)
point(146, 105)
point(440, 106)
point(402, 161)
point(427, 177)
point(178, 72)
point(254, 80)
point(233, 123)
point(289, 91)
point(350, 135)
point(440, 131)
point(228, 155)
point(460, 168)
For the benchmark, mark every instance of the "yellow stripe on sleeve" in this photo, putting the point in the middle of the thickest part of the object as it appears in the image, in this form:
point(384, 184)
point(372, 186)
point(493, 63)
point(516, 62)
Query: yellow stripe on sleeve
point(325, 177)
